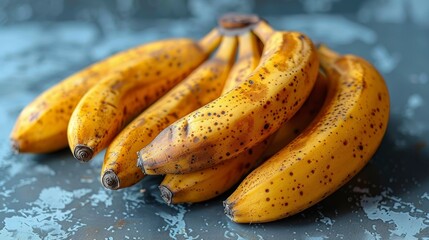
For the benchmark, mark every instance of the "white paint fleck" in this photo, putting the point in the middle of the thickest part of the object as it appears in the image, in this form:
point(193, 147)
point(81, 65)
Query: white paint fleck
point(44, 170)
point(6, 192)
point(44, 216)
point(315, 237)
point(384, 61)
point(233, 235)
point(403, 218)
point(174, 219)
point(372, 235)
point(325, 220)
point(419, 12)
point(425, 196)
point(10, 168)
point(414, 101)
point(103, 197)
point(360, 190)
point(420, 78)
point(133, 198)
point(411, 125)
point(54, 198)
point(78, 193)
point(176, 225)
point(86, 179)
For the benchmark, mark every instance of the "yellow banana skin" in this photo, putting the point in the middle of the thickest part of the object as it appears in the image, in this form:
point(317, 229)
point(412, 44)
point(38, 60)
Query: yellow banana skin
point(208, 183)
point(336, 146)
point(244, 116)
point(42, 125)
point(200, 87)
point(108, 106)
point(292, 128)
point(248, 59)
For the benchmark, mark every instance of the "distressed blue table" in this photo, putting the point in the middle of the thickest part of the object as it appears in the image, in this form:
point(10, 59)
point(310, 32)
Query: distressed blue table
point(52, 196)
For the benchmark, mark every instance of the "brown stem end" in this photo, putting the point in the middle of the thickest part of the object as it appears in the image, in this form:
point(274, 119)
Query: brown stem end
point(110, 180)
point(237, 20)
point(228, 210)
point(83, 153)
point(166, 194)
point(15, 146)
point(140, 162)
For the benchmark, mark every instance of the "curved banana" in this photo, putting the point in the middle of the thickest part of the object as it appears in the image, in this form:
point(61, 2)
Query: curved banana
point(334, 148)
point(108, 106)
point(211, 182)
point(244, 116)
point(248, 59)
point(42, 125)
point(202, 86)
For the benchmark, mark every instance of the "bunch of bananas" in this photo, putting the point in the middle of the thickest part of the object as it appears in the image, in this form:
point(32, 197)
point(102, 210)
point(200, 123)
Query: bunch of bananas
point(303, 120)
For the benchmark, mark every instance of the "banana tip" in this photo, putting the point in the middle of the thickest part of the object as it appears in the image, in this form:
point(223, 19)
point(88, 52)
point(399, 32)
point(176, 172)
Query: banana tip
point(15, 146)
point(228, 210)
point(140, 162)
point(166, 194)
point(110, 180)
point(83, 153)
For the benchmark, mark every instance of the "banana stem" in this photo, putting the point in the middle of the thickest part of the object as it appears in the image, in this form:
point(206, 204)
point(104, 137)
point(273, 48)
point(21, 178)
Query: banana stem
point(227, 49)
point(110, 180)
point(237, 20)
point(327, 55)
point(166, 194)
point(83, 153)
point(15, 146)
point(247, 46)
point(210, 41)
point(264, 31)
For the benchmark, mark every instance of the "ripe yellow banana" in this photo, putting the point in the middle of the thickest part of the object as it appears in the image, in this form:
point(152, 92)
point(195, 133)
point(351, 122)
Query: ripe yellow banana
point(42, 125)
point(211, 182)
point(109, 105)
point(200, 87)
point(336, 146)
point(244, 116)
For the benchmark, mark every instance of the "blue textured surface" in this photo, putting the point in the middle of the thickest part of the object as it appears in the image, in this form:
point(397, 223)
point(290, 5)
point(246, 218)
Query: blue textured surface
point(53, 196)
